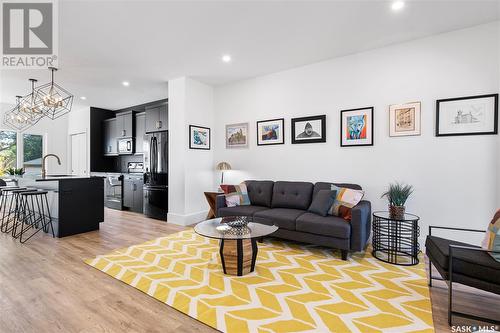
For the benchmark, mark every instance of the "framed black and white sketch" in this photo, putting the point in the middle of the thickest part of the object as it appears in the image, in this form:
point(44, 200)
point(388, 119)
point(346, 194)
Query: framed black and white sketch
point(309, 129)
point(404, 119)
point(356, 127)
point(237, 135)
point(473, 115)
point(199, 137)
point(271, 132)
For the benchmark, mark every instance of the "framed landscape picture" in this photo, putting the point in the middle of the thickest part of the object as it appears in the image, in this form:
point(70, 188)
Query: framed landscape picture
point(356, 127)
point(404, 119)
point(271, 132)
point(237, 135)
point(309, 129)
point(473, 115)
point(199, 137)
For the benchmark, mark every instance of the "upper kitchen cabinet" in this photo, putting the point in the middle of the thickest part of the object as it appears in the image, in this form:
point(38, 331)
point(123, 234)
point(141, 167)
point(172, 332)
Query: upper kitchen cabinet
point(125, 124)
point(156, 118)
point(110, 134)
point(140, 131)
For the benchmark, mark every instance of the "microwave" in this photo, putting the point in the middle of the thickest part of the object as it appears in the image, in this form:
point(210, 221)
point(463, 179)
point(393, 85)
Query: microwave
point(125, 146)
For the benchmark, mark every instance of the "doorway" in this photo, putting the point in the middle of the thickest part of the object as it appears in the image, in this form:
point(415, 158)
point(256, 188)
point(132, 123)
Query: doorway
point(79, 154)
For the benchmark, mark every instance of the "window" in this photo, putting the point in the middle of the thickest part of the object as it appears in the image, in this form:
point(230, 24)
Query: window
point(32, 153)
point(8, 150)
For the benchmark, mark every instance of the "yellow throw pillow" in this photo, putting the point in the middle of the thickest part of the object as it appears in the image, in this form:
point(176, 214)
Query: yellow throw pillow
point(491, 240)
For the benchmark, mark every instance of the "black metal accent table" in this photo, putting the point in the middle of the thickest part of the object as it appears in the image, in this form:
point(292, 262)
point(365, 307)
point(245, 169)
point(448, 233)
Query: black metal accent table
point(395, 241)
point(238, 245)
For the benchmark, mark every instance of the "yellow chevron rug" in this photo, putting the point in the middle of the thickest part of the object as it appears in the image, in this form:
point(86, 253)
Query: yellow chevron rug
point(295, 288)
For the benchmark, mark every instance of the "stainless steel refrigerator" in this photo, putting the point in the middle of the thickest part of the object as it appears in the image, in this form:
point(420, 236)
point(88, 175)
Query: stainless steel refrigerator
point(156, 175)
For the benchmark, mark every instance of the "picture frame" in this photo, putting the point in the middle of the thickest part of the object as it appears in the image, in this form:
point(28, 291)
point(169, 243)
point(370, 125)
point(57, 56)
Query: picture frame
point(356, 127)
point(405, 119)
point(199, 137)
point(237, 135)
point(271, 132)
point(309, 129)
point(471, 115)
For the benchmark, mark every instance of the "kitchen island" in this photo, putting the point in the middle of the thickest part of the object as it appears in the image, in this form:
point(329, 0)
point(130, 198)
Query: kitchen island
point(76, 203)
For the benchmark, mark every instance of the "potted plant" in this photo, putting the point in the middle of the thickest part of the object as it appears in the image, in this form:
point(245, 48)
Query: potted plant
point(19, 172)
point(11, 171)
point(397, 194)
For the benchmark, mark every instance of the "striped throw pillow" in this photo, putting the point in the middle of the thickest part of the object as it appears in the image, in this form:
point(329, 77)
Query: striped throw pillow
point(346, 199)
point(492, 238)
point(236, 195)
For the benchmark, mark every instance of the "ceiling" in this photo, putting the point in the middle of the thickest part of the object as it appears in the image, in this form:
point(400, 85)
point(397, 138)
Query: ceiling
point(102, 43)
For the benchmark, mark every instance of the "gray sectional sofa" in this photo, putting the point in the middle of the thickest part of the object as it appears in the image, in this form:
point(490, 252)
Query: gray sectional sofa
point(285, 204)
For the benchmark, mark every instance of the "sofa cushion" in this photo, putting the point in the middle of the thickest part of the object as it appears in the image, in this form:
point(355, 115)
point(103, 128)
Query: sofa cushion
point(282, 217)
point(239, 210)
point(294, 195)
point(327, 226)
point(327, 186)
point(260, 192)
point(322, 202)
point(475, 264)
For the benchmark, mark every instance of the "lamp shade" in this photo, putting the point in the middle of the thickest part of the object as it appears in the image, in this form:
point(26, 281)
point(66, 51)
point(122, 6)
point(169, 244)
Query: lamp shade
point(223, 166)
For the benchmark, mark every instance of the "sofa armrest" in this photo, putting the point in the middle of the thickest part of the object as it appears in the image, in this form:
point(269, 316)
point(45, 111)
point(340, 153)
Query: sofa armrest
point(220, 202)
point(361, 225)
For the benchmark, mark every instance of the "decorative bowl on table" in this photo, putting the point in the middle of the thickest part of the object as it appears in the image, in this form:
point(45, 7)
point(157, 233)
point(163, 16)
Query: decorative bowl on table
point(235, 221)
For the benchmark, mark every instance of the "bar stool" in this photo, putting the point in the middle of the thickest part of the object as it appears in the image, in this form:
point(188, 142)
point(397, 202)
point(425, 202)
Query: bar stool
point(6, 203)
point(33, 215)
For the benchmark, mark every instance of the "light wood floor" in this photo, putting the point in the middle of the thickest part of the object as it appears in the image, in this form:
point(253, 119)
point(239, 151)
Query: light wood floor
point(46, 287)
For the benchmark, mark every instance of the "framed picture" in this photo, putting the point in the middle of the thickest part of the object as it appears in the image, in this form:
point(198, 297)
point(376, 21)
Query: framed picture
point(356, 127)
point(237, 135)
point(271, 132)
point(404, 119)
point(199, 137)
point(473, 115)
point(309, 129)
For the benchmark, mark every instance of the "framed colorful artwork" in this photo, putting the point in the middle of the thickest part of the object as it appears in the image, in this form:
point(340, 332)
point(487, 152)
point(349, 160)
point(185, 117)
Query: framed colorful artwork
point(356, 127)
point(309, 129)
point(473, 115)
point(237, 135)
point(404, 119)
point(199, 137)
point(271, 132)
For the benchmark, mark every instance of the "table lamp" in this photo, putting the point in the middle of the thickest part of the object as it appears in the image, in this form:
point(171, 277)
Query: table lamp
point(223, 166)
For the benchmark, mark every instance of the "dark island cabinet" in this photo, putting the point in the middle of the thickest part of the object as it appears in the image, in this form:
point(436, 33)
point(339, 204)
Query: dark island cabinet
point(133, 193)
point(156, 118)
point(109, 130)
point(125, 124)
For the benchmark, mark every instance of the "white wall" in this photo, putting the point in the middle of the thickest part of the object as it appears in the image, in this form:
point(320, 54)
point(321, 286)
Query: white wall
point(454, 177)
point(190, 171)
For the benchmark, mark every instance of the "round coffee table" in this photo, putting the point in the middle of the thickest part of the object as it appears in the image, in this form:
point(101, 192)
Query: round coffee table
point(238, 244)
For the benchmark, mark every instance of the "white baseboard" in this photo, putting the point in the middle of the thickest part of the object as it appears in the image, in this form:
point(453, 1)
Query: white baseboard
point(187, 219)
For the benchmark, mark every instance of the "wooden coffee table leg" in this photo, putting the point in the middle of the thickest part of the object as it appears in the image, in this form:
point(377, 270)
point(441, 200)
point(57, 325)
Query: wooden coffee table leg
point(238, 256)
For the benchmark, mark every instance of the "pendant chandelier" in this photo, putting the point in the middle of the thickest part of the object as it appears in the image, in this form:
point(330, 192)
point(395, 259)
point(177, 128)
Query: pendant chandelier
point(30, 106)
point(17, 119)
point(56, 100)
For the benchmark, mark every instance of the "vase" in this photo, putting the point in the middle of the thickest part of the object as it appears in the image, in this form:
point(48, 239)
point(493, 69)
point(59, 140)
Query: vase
point(396, 212)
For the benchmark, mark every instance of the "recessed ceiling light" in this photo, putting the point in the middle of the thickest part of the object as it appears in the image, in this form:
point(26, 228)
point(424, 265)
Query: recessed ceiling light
point(397, 5)
point(83, 98)
point(226, 58)
point(126, 83)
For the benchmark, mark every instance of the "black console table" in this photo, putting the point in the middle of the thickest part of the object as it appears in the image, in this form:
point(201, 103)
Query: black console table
point(395, 241)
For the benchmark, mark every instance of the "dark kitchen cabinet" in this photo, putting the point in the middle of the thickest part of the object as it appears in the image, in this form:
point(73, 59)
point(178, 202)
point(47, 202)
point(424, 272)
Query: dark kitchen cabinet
point(132, 193)
point(125, 124)
point(156, 118)
point(140, 131)
point(110, 137)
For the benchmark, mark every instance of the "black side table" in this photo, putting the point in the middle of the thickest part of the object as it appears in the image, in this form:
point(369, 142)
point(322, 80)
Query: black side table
point(396, 241)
